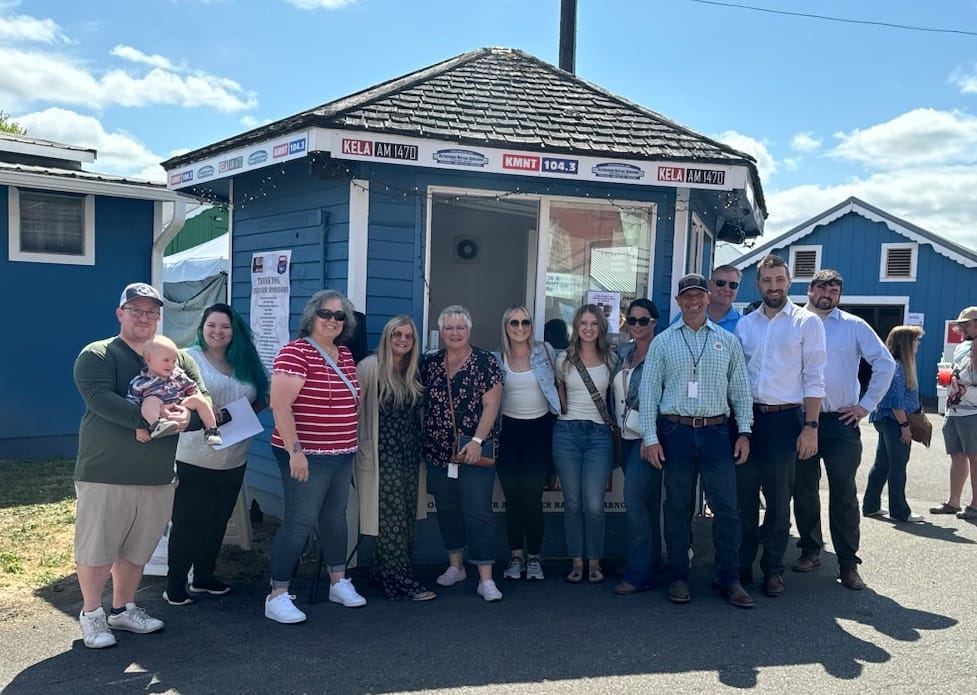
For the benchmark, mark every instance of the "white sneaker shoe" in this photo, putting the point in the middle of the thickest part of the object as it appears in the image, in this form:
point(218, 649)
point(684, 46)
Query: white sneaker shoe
point(452, 576)
point(517, 565)
point(489, 591)
point(344, 593)
point(135, 619)
point(95, 630)
point(534, 570)
point(282, 610)
point(163, 428)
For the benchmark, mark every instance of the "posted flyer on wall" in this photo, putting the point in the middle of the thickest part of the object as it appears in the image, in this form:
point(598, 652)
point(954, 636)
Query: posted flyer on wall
point(270, 293)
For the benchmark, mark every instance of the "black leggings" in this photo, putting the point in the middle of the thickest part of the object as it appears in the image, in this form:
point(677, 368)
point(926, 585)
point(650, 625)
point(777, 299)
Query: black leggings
point(523, 465)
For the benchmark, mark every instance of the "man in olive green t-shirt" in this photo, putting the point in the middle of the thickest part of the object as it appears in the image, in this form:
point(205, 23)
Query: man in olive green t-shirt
point(124, 487)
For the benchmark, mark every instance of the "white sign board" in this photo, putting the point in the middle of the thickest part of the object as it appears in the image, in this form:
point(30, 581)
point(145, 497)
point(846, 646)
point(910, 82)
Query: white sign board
point(610, 304)
point(270, 293)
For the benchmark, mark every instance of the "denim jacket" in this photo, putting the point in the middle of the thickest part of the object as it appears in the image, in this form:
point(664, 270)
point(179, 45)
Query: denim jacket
point(542, 370)
point(624, 354)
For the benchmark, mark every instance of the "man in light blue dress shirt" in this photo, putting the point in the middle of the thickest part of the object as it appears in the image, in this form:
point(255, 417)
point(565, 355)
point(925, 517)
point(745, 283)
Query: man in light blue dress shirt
point(848, 339)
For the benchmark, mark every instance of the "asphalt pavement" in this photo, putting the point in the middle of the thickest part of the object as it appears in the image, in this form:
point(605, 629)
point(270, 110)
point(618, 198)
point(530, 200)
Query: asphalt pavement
point(910, 631)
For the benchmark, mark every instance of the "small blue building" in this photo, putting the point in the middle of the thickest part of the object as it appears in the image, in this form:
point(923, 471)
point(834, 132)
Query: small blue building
point(895, 273)
point(74, 239)
point(489, 179)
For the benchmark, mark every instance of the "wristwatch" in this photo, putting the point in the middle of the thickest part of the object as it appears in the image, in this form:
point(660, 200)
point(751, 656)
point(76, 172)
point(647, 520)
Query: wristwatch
point(748, 435)
point(904, 424)
point(813, 424)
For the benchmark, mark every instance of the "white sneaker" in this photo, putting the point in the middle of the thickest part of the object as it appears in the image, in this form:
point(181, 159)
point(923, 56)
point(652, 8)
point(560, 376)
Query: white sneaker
point(95, 630)
point(534, 570)
point(515, 569)
point(163, 428)
point(282, 610)
point(135, 619)
point(452, 576)
point(489, 591)
point(344, 593)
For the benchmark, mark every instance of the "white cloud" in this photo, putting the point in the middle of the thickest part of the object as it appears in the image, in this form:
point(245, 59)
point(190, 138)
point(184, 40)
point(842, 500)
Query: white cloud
point(766, 164)
point(919, 137)
point(118, 152)
point(321, 4)
point(19, 27)
point(805, 142)
point(137, 56)
point(249, 121)
point(791, 163)
point(965, 79)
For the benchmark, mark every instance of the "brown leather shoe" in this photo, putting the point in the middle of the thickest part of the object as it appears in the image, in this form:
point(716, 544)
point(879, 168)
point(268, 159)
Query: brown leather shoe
point(737, 595)
point(773, 585)
point(807, 562)
point(678, 592)
point(625, 588)
point(850, 579)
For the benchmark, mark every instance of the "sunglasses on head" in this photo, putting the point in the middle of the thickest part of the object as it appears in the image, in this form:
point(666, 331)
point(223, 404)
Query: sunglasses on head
point(639, 320)
point(515, 323)
point(733, 285)
point(328, 314)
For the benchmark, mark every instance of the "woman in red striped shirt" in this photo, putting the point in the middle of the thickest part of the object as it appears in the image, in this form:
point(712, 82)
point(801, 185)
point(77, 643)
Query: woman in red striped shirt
point(314, 399)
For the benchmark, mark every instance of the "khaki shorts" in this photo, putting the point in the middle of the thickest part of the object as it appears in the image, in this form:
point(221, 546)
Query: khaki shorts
point(113, 521)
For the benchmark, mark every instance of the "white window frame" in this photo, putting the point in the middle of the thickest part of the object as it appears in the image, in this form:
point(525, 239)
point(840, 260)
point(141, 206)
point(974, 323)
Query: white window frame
point(793, 257)
point(87, 256)
point(912, 246)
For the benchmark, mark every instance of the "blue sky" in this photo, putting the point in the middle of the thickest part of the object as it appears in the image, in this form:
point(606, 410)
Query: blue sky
point(829, 109)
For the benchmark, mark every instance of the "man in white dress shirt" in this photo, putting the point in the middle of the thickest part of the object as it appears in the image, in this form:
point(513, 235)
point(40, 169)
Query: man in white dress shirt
point(849, 340)
point(785, 356)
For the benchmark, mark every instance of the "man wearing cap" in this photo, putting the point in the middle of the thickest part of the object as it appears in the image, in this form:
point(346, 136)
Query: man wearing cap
point(960, 424)
point(124, 488)
point(693, 372)
point(785, 357)
point(848, 340)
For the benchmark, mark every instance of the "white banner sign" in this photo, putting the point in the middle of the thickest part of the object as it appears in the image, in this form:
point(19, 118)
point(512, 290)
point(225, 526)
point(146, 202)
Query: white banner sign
point(270, 293)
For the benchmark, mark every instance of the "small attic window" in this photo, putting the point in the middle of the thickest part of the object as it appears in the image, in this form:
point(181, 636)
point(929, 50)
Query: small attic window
point(898, 262)
point(804, 262)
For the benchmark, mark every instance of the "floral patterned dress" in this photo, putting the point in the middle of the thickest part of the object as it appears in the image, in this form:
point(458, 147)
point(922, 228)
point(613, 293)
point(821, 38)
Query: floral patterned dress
point(399, 450)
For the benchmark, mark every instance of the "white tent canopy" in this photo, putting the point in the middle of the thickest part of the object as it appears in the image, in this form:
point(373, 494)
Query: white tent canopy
point(200, 262)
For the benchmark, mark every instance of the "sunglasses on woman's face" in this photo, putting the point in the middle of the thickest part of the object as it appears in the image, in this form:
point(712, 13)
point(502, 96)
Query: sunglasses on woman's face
point(639, 320)
point(733, 285)
point(327, 314)
point(515, 323)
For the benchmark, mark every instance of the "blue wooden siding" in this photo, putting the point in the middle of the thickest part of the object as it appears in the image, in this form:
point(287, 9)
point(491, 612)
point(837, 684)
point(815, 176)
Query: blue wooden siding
point(39, 406)
point(852, 245)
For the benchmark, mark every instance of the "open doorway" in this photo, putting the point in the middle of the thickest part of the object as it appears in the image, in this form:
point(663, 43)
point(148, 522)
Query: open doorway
point(483, 255)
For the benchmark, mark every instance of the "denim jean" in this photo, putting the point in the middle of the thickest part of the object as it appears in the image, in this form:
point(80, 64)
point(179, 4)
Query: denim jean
point(891, 460)
point(583, 459)
point(643, 503)
point(320, 502)
point(704, 451)
point(465, 509)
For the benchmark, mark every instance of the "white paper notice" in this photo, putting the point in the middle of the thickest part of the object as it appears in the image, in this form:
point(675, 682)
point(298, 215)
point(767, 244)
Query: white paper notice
point(270, 292)
point(243, 425)
point(610, 304)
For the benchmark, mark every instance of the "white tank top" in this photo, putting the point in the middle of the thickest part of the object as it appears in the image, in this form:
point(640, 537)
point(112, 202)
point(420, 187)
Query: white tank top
point(522, 398)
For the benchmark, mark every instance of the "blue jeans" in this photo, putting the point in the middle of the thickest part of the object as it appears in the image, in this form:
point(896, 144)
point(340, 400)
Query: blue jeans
point(465, 509)
point(583, 459)
point(891, 459)
point(643, 502)
point(704, 451)
point(318, 502)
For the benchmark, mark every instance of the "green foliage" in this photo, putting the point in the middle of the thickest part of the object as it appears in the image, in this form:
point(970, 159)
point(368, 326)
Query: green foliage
point(9, 126)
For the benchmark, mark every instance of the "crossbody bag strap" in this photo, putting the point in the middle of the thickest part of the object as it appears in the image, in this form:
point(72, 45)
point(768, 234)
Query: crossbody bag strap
point(332, 363)
point(451, 400)
point(592, 388)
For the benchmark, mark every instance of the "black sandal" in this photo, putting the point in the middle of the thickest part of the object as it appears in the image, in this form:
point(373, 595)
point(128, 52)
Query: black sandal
point(944, 508)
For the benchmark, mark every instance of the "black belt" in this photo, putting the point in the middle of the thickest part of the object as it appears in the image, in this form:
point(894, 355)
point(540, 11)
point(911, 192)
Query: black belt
point(696, 421)
point(764, 408)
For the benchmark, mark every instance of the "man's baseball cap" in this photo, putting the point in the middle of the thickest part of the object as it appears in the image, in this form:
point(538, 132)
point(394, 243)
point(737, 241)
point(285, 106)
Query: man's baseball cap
point(968, 314)
point(137, 290)
point(692, 281)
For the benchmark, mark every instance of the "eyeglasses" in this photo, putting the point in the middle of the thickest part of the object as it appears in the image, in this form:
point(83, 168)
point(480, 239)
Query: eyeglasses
point(515, 323)
point(327, 314)
point(141, 313)
point(401, 335)
point(455, 329)
point(640, 320)
point(733, 285)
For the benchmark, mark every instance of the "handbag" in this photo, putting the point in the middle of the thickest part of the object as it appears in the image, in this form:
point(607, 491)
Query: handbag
point(560, 388)
point(488, 446)
point(605, 414)
point(920, 428)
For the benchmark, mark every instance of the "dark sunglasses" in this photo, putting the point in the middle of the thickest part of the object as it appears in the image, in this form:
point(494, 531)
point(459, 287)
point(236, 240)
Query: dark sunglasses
point(639, 321)
point(733, 285)
point(327, 314)
point(515, 323)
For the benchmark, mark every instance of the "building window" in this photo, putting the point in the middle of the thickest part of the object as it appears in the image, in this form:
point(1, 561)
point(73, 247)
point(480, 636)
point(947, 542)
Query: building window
point(804, 262)
point(898, 262)
point(51, 227)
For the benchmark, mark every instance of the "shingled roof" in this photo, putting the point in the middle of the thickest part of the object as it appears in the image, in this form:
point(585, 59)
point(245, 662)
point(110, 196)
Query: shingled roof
point(506, 98)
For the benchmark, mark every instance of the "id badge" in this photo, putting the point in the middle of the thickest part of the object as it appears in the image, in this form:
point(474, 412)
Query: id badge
point(693, 389)
point(453, 470)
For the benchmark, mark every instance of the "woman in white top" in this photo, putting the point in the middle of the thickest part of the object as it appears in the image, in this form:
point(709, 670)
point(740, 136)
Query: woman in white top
point(582, 444)
point(210, 479)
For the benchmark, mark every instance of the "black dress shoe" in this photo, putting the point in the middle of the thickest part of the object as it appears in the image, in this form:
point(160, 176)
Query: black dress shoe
point(737, 595)
point(773, 585)
point(807, 562)
point(850, 579)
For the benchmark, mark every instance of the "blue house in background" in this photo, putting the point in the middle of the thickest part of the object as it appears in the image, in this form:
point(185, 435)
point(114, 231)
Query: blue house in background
point(895, 273)
point(73, 240)
point(489, 179)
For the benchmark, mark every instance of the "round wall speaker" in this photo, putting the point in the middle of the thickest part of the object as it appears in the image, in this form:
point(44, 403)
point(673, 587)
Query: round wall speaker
point(467, 249)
